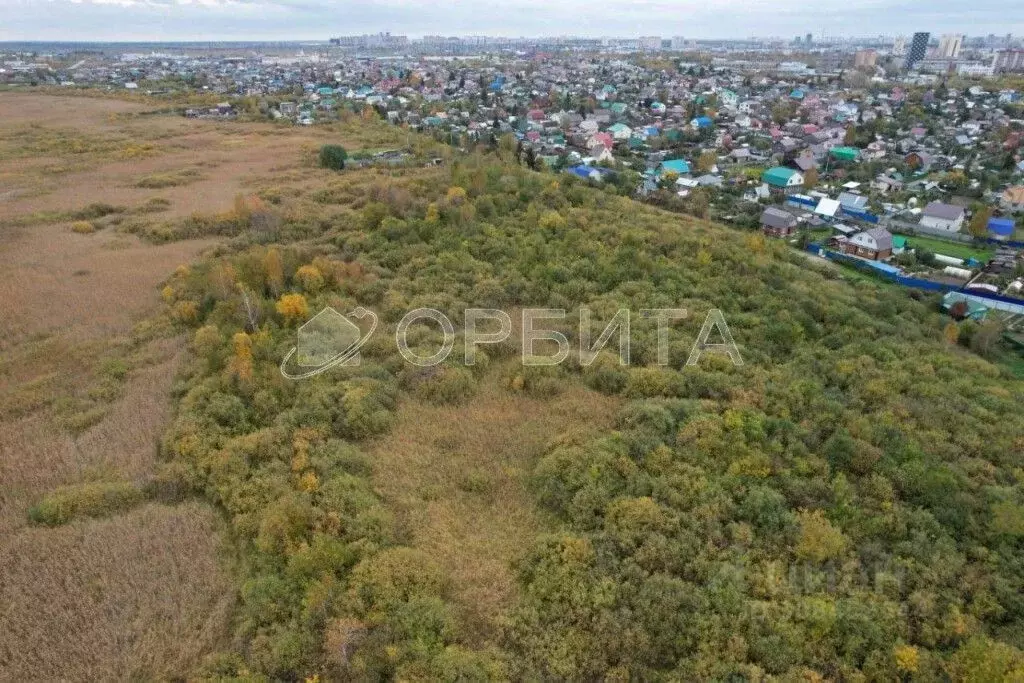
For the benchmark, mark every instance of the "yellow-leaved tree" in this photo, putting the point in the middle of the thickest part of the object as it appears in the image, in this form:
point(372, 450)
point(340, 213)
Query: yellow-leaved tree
point(310, 278)
point(819, 540)
point(455, 196)
point(293, 308)
point(241, 358)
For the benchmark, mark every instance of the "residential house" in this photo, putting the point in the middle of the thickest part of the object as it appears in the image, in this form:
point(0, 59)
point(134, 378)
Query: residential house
point(874, 244)
point(805, 161)
point(943, 216)
point(885, 184)
point(920, 161)
point(776, 222)
point(677, 166)
point(709, 180)
point(826, 208)
point(741, 155)
point(853, 202)
point(620, 131)
point(598, 153)
point(845, 153)
point(782, 179)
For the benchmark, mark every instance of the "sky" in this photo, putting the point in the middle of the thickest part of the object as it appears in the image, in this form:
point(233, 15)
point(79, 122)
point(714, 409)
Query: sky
point(170, 20)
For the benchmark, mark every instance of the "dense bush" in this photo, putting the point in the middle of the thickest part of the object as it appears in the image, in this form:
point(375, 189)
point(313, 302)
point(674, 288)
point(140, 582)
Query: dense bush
point(90, 499)
point(333, 157)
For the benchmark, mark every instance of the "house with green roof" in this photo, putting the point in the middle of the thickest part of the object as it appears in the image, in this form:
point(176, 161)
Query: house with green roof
point(783, 179)
point(636, 142)
point(845, 153)
point(620, 131)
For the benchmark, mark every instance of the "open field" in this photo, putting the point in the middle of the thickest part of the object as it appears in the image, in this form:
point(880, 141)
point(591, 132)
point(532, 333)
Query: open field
point(139, 596)
point(68, 152)
point(85, 381)
point(459, 477)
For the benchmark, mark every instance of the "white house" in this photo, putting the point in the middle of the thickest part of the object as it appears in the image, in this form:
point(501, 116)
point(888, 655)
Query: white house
point(943, 216)
point(599, 153)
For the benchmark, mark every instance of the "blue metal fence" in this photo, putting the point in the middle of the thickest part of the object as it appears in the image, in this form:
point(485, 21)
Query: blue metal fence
point(861, 216)
point(1005, 243)
point(861, 264)
point(907, 281)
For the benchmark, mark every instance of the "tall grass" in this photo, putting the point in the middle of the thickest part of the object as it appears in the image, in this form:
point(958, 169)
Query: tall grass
point(457, 475)
point(140, 596)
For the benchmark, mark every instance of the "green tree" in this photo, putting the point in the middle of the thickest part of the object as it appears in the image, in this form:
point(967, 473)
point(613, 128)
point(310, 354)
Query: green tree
point(333, 157)
point(978, 227)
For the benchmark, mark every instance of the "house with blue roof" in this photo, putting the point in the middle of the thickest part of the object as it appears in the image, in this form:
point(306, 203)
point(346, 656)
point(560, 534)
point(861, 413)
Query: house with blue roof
point(594, 173)
point(677, 166)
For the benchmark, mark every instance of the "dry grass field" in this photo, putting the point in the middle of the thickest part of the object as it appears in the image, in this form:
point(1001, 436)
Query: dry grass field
point(85, 380)
point(458, 475)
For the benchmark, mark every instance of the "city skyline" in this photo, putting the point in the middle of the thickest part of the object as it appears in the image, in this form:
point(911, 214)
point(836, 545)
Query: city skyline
point(181, 20)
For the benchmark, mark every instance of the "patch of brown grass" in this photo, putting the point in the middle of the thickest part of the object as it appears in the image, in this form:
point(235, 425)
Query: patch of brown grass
point(141, 596)
point(457, 476)
point(37, 455)
point(60, 282)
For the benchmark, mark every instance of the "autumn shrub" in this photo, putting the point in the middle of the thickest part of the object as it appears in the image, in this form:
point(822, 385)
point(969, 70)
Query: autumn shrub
point(310, 279)
point(819, 540)
point(154, 205)
point(546, 381)
point(169, 179)
point(95, 211)
point(606, 375)
point(293, 308)
point(90, 499)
